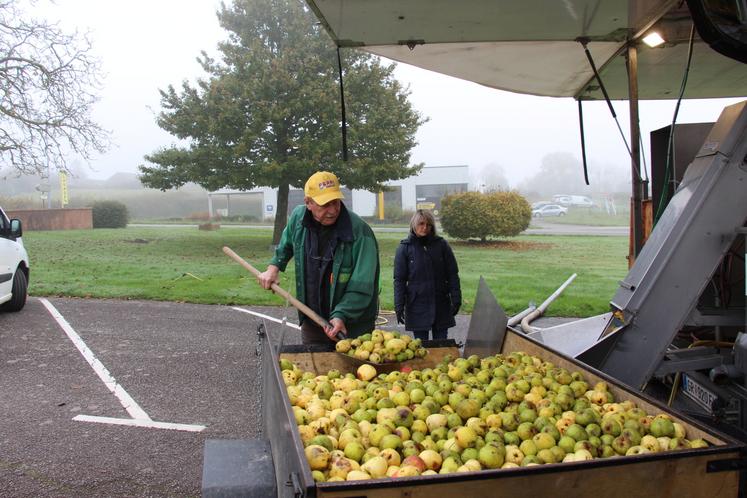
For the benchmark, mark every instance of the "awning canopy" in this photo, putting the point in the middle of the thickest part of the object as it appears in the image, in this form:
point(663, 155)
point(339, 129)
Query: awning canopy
point(533, 47)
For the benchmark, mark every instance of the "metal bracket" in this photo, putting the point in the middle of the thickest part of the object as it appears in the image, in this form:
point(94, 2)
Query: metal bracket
point(626, 285)
point(686, 360)
point(726, 465)
point(261, 335)
point(294, 483)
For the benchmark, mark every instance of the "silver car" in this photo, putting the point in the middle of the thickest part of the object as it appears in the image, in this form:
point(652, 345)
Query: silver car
point(549, 210)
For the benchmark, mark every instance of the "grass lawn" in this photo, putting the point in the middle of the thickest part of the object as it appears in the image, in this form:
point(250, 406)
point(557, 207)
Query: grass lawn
point(185, 264)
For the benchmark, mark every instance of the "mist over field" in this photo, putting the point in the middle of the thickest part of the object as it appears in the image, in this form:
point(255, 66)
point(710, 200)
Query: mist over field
point(559, 173)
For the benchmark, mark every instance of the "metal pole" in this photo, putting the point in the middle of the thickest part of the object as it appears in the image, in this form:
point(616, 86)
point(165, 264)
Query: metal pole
point(542, 307)
point(635, 151)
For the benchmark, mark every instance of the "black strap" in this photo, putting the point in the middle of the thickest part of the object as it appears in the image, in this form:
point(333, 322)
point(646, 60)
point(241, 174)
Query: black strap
point(583, 140)
point(342, 103)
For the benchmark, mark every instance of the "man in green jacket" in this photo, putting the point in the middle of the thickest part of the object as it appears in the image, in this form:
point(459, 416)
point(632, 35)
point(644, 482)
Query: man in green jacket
point(337, 262)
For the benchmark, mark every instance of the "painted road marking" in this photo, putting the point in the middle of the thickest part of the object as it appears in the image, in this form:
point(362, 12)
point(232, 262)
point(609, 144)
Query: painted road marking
point(267, 317)
point(139, 423)
point(139, 417)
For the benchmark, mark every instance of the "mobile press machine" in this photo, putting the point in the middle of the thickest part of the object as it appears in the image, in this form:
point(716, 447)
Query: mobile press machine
point(667, 289)
point(691, 221)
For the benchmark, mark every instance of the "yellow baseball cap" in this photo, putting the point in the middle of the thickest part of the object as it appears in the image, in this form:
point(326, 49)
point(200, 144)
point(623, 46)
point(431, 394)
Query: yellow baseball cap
point(323, 187)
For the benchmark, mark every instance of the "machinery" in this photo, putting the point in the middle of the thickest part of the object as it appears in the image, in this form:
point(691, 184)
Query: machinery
point(677, 322)
point(688, 275)
point(679, 315)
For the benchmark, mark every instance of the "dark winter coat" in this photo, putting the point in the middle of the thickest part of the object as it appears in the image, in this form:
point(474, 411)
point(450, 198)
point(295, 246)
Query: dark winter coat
point(426, 282)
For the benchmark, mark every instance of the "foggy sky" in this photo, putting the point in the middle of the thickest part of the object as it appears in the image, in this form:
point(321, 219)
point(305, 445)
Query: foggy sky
point(147, 45)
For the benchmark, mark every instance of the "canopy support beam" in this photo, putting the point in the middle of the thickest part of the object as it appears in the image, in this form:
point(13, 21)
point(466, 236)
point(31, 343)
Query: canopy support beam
point(635, 154)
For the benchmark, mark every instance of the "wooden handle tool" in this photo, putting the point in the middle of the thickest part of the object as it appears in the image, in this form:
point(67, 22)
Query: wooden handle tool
point(282, 292)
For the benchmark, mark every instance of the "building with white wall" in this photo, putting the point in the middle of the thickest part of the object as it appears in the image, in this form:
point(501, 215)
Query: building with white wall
point(424, 190)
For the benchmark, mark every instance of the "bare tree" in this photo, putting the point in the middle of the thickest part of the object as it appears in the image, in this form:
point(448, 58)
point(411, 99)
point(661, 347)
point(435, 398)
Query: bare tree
point(47, 84)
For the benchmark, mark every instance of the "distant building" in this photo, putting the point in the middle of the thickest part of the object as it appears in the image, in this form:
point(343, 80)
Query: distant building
point(424, 190)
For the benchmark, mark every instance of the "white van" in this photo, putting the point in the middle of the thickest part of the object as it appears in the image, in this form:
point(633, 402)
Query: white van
point(573, 200)
point(14, 265)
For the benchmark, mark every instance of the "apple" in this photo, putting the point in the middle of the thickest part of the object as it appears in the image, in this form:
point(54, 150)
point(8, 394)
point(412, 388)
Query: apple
point(340, 467)
point(392, 441)
point(414, 461)
point(432, 459)
point(317, 456)
point(375, 467)
point(366, 372)
point(354, 450)
point(391, 456)
point(465, 437)
point(407, 471)
point(357, 475)
point(491, 456)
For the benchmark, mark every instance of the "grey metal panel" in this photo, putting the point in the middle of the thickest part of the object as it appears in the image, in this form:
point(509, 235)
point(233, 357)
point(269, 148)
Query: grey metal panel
point(235, 468)
point(682, 253)
point(487, 326)
point(573, 337)
point(688, 139)
point(292, 474)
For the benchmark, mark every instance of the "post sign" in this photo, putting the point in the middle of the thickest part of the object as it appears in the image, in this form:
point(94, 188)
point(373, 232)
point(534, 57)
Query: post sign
point(64, 199)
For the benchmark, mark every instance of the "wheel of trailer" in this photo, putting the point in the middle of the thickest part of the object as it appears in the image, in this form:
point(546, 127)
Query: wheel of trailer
point(19, 291)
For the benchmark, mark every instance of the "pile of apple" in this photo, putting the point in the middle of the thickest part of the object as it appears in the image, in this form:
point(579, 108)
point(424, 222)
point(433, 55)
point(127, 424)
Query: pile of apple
point(465, 415)
point(382, 346)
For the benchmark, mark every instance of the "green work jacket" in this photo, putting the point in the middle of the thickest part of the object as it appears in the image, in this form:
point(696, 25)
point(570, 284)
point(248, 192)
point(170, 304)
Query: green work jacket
point(354, 289)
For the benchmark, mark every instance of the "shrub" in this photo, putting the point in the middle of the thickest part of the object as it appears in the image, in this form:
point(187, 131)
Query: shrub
point(395, 214)
point(511, 213)
point(109, 214)
point(472, 215)
point(392, 213)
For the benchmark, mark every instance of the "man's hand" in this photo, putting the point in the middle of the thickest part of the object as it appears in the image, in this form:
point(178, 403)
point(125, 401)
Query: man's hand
point(455, 308)
point(337, 325)
point(269, 277)
point(400, 316)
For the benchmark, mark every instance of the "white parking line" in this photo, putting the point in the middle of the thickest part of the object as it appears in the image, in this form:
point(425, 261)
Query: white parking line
point(267, 317)
point(139, 423)
point(139, 417)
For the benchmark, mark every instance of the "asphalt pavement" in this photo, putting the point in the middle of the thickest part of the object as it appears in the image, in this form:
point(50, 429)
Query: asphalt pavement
point(180, 363)
point(116, 398)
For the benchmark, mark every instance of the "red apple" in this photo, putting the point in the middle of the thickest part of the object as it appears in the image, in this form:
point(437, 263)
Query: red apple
point(416, 462)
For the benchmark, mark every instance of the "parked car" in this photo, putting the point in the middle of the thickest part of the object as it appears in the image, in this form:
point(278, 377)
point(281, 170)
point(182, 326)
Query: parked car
point(537, 205)
point(14, 265)
point(549, 210)
point(573, 200)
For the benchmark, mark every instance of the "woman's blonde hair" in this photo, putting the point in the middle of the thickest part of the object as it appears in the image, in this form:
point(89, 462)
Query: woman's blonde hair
point(425, 215)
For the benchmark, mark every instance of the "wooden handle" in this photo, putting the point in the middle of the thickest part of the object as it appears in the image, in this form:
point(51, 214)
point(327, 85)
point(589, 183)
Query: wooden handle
point(282, 292)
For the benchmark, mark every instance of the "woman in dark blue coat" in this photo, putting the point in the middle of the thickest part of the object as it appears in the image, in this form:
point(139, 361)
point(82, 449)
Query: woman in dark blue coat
point(427, 294)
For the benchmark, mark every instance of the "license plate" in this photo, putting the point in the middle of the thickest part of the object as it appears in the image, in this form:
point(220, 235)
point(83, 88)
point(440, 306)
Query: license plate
point(698, 393)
